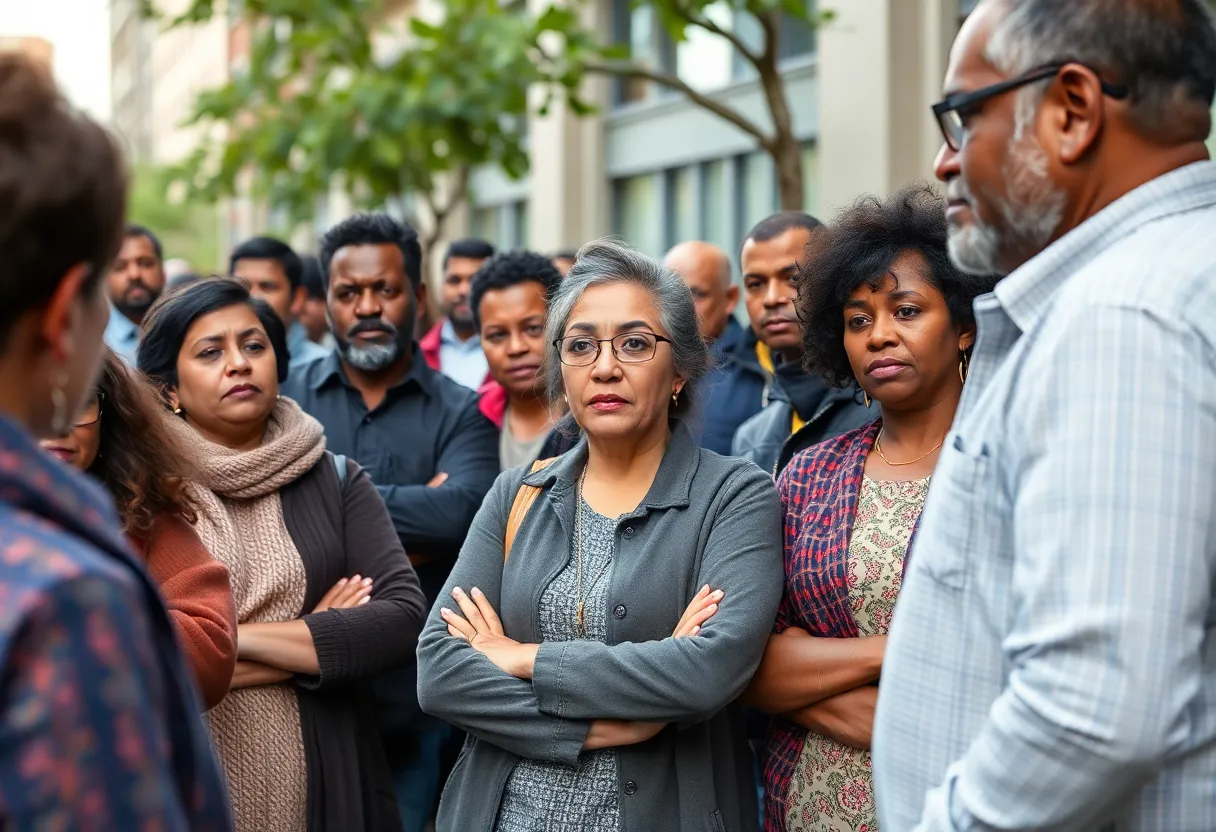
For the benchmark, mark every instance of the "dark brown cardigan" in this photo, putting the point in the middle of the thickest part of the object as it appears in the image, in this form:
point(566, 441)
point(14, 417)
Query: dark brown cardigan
point(341, 531)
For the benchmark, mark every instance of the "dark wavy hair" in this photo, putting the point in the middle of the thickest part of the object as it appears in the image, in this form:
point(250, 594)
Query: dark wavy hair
point(138, 460)
point(858, 249)
point(170, 318)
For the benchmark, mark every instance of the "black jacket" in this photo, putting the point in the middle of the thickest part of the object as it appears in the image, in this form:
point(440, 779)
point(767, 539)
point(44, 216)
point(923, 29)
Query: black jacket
point(828, 412)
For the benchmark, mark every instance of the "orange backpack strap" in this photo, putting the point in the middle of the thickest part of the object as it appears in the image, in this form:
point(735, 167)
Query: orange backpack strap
point(524, 498)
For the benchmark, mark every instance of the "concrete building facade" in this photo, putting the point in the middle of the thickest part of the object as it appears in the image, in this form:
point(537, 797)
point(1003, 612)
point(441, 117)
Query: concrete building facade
point(656, 169)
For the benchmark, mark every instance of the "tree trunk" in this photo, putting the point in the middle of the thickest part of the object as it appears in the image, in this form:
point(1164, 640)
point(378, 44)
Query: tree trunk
point(787, 157)
point(783, 146)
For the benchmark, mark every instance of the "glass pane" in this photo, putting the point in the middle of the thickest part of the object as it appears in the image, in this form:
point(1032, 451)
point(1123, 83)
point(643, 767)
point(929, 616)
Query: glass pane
point(703, 60)
point(682, 213)
point(634, 27)
point(758, 191)
point(810, 179)
point(521, 224)
point(715, 205)
point(797, 36)
point(484, 224)
point(636, 209)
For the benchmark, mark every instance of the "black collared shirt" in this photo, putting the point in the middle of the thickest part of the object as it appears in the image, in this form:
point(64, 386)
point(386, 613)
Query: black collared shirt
point(426, 425)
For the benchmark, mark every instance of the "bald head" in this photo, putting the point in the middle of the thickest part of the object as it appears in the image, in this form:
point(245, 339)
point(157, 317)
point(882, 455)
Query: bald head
point(706, 270)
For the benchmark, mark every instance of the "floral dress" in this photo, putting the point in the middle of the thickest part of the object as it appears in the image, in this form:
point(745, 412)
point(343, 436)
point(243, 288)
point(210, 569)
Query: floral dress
point(832, 789)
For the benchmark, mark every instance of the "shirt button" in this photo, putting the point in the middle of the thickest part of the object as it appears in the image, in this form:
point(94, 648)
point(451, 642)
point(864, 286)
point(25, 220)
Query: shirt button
point(619, 610)
point(631, 787)
point(629, 531)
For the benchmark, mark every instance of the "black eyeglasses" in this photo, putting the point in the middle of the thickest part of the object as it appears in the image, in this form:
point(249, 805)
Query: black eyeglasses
point(628, 347)
point(91, 412)
point(951, 110)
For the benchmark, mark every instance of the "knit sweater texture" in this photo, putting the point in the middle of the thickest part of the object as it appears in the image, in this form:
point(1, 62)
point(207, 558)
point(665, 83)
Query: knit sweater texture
point(256, 730)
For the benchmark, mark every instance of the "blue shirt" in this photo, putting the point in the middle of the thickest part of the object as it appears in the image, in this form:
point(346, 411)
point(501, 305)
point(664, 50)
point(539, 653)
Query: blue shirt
point(1051, 664)
point(462, 361)
point(302, 349)
point(122, 336)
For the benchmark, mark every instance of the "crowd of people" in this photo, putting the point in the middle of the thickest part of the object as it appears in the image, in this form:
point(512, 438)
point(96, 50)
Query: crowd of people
point(921, 538)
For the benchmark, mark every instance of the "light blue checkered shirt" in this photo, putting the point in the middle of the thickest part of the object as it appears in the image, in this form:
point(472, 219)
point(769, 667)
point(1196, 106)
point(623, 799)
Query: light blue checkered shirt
point(1051, 664)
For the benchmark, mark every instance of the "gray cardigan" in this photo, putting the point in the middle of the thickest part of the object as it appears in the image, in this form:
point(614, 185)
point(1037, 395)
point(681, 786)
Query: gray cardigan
point(707, 519)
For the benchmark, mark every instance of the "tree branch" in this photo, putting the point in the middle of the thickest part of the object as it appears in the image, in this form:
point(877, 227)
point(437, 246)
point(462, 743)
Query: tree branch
point(709, 26)
point(703, 101)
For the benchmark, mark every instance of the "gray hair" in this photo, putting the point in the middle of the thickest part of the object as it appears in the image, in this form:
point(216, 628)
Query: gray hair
point(1164, 52)
point(607, 262)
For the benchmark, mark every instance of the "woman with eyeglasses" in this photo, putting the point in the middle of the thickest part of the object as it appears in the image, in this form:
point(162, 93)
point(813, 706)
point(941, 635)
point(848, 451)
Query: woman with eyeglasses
point(119, 439)
point(608, 607)
point(884, 311)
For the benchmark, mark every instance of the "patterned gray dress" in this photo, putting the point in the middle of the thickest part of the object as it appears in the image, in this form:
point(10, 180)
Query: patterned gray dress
point(551, 797)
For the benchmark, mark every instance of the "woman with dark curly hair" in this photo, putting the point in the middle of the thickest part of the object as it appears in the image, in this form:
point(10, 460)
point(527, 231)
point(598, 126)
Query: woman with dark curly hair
point(884, 309)
point(119, 439)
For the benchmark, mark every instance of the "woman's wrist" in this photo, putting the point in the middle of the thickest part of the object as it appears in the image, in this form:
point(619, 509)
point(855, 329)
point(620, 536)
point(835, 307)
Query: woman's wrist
point(525, 661)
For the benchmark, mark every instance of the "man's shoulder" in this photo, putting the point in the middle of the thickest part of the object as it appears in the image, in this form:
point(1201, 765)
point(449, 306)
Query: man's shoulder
point(1166, 268)
point(304, 378)
point(450, 394)
point(308, 352)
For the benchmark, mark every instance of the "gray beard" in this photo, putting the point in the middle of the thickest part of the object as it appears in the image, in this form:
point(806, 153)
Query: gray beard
point(372, 358)
point(1032, 211)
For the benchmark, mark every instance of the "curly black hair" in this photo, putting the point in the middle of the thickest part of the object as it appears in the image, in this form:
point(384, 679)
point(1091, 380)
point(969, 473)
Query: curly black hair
point(859, 248)
point(373, 229)
point(511, 268)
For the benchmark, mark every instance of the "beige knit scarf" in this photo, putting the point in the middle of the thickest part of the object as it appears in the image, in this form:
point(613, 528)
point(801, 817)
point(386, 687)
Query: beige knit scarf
point(256, 730)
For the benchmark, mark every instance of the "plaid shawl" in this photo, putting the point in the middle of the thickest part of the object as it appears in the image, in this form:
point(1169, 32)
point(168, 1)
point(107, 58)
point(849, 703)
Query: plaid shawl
point(819, 492)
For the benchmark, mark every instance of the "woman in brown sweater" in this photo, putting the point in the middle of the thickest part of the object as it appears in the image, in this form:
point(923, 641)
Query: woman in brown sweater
point(326, 597)
point(120, 439)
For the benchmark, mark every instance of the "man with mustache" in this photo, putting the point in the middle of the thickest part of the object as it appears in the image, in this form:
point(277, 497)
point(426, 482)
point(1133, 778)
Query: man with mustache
point(801, 410)
point(452, 346)
point(134, 282)
point(419, 435)
point(1051, 664)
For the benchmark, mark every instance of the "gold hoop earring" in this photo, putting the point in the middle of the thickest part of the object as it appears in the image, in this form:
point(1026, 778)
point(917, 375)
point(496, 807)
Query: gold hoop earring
point(866, 398)
point(964, 369)
point(59, 406)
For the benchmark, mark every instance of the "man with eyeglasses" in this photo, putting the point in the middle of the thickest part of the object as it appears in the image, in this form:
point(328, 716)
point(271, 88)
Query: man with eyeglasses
point(1051, 664)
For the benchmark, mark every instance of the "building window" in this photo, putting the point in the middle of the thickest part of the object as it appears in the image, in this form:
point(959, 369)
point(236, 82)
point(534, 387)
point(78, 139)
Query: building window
point(797, 36)
point(683, 214)
point(704, 60)
point(484, 224)
point(716, 206)
point(810, 179)
point(520, 211)
point(757, 190)
point(637, 213)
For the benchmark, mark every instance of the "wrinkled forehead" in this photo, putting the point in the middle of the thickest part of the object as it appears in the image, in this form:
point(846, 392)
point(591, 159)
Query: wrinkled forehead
point(969, 67)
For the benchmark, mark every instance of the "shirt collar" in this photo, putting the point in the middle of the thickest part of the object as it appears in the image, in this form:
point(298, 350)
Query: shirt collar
point(447, 335)
point(121, 327)
point(1027, 292)
point(672, 484)
point(332, 372)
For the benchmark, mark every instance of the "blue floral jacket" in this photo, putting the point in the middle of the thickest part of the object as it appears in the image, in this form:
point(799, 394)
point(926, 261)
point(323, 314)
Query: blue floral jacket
point(99, 725)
